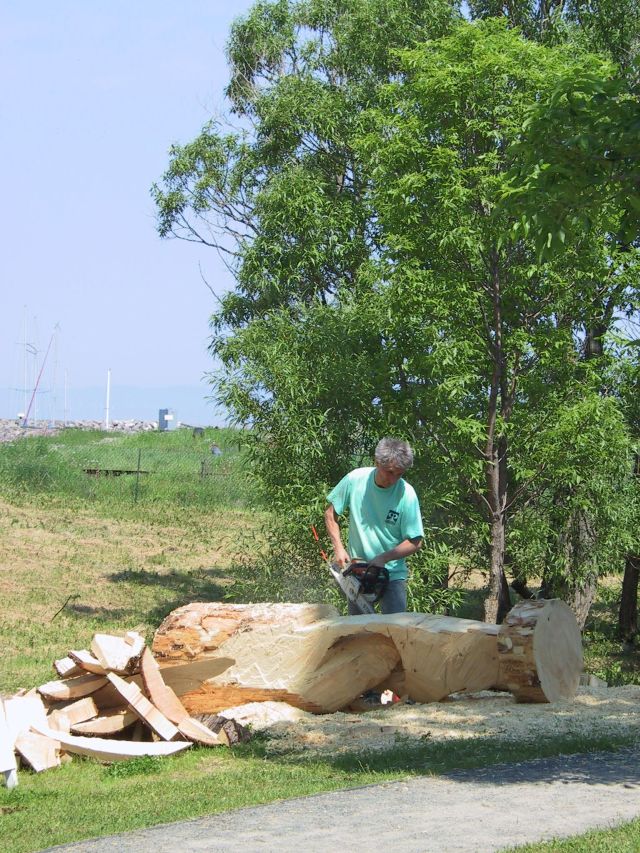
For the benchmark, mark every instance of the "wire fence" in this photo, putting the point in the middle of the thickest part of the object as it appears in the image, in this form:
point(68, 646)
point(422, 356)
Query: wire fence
point(195, 467)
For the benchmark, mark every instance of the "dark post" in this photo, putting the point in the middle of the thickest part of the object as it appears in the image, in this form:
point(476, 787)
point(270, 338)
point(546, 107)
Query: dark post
point(135, 495)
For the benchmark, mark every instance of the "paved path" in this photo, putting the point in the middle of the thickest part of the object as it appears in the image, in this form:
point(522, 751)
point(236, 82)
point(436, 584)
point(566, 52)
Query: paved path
point(471, 811)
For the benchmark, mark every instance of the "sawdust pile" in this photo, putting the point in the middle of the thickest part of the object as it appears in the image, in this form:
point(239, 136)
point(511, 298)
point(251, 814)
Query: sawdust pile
point(595, 712)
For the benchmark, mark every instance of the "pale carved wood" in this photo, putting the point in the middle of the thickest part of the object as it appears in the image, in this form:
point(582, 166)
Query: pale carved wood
point(316, 660)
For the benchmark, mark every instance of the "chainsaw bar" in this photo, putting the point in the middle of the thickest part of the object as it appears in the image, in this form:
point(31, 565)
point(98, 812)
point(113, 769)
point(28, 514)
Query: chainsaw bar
point(351, 589)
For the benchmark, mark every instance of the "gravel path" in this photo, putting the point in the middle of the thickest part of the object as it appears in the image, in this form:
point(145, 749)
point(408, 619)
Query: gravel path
point(473, 811)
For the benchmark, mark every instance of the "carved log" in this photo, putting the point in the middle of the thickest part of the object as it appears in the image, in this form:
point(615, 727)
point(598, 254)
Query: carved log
point(540, 652)
point(217, 655)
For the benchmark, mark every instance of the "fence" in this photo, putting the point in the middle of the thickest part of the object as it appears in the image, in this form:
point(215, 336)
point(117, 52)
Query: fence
point(185, 466)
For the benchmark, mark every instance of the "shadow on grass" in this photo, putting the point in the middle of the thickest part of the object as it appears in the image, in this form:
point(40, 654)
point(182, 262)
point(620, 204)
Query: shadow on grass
point(597, 761)
point(108, 613)
point(187, 587)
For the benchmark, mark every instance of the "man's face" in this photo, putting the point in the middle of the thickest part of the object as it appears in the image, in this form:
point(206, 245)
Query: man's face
point(388, 474)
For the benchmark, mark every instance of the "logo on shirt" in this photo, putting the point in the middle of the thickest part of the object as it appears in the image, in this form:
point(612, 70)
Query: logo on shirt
point(392, 517)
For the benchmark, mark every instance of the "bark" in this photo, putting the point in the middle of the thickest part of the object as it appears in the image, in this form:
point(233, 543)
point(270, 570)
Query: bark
point(501, 395)
point(628, 613)
point(497, 602)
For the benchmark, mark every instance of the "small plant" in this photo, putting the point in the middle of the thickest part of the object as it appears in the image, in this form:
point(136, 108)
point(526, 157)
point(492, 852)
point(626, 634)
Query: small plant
point(144, 765)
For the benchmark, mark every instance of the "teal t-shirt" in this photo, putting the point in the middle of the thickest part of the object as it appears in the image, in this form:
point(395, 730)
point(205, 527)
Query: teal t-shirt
point(379, 519)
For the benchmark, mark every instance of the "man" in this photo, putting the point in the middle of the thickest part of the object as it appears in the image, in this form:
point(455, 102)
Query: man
point(385, 526)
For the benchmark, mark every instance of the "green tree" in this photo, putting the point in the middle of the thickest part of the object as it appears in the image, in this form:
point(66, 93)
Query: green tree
point(380, 287)
point(283, 199)
point(491, 335)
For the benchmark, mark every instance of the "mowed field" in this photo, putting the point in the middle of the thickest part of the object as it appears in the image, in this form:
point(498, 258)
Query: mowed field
point(73, 564)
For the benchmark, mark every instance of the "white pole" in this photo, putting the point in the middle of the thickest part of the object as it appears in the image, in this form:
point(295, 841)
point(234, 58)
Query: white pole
point(66, 408)
point(25, 362)
point(106, 411)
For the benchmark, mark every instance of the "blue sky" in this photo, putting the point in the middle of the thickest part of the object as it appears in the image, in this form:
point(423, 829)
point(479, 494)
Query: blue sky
point(93, 94)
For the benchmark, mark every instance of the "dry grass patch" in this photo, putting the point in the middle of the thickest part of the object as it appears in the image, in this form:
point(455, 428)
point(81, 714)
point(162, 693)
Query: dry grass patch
point(66, 573)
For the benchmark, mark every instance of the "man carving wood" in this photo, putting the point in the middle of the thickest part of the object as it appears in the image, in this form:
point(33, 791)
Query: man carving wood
point(385, 526)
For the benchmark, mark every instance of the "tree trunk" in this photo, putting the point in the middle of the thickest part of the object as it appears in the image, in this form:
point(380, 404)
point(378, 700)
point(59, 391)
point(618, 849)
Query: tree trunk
point(497, 602)
point(628, 614)
point(215, 656)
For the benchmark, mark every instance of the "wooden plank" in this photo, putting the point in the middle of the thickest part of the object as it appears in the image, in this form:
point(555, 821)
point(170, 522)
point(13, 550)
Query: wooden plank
point(199, 733)
point(76, 712)
point(106, 724)
point(147, 712)
point(165, 699)
point(66, 667)
point(21, 712)
point(40, 751)
point(118, 654)
point(162, 696)
point(86, 662)
point(108, 750)
point(72, 688)
point(8, 766)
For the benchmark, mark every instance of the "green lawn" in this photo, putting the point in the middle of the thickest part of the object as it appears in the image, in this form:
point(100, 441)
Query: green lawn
point(80, 554)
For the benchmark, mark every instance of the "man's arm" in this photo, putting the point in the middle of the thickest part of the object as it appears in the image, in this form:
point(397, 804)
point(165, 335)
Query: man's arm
point(340, 555)
point(402, 550)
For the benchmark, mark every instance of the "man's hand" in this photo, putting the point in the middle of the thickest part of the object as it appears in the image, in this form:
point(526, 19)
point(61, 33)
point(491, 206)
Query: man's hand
point(341, 558)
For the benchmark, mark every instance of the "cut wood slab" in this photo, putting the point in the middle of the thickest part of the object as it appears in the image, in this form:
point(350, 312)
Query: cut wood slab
point(21, 712)
point(67, 667)
point(165, 699)
point(107, 724)
point(118, 654)
point(72, 688)
point(324, 665)
point(197, 732)
point(147, 712)
point(39, 751)
point(108, 750)
point(8, 766)
point(86, 662)
point(162, 696)
point(75, 712)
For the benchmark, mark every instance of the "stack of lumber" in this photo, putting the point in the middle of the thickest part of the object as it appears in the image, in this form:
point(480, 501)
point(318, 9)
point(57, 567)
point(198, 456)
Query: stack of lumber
point(110, 702)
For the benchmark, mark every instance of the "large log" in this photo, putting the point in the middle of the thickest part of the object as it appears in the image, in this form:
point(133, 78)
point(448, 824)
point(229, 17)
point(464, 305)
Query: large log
point(216, 655)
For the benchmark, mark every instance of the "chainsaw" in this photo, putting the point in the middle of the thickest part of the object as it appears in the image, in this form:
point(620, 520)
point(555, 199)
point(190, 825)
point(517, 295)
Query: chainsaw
point(362, 584)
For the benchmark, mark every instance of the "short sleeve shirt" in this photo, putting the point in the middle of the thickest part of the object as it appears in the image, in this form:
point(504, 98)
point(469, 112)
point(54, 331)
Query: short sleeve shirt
point(379, 519)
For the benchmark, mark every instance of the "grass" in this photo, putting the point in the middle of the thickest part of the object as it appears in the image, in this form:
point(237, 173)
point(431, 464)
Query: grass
point(66, 573)
point(78, 555)
point(168, 468)
point(84, 799)
point(622, 839)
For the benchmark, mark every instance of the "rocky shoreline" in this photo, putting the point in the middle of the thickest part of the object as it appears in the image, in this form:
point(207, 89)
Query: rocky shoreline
point(11, 430)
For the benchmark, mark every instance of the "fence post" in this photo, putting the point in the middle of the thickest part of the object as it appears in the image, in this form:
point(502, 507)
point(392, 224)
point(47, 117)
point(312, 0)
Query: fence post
point(135, 495)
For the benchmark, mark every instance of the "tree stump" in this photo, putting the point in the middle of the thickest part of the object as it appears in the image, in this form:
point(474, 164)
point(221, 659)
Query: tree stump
point(217, 655)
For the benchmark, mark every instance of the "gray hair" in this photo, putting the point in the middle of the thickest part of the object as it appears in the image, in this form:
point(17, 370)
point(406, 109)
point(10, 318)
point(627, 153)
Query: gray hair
point(394, 451)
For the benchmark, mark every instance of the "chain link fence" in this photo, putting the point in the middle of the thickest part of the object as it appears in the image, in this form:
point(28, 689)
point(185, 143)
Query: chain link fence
point(184, 466)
